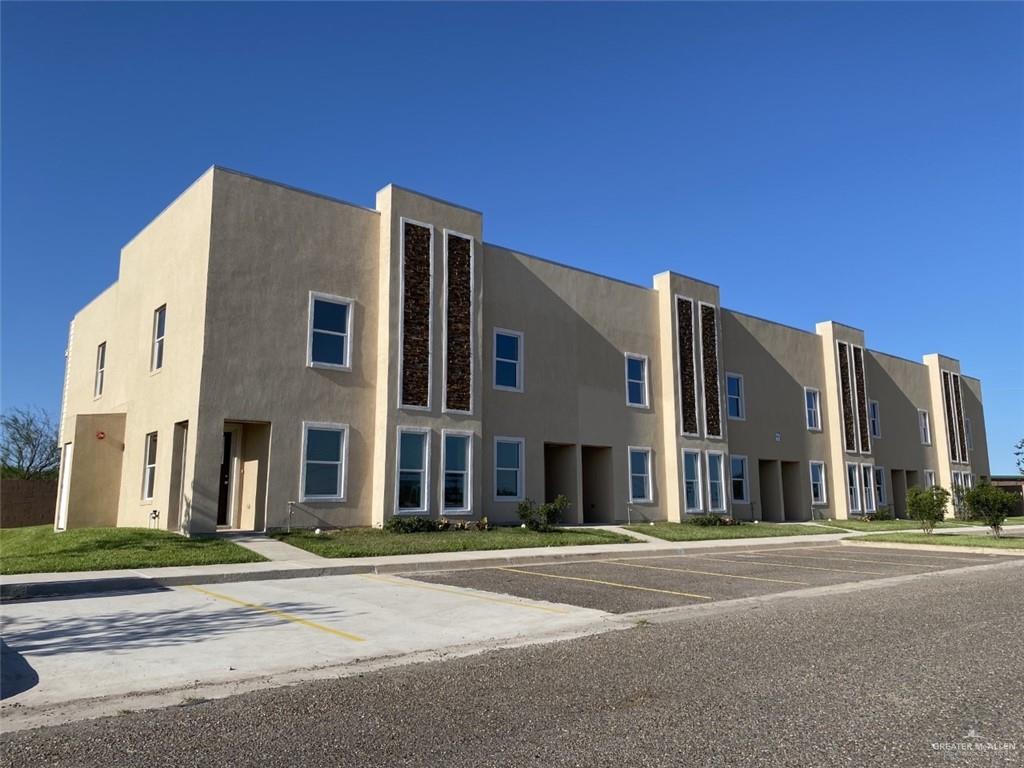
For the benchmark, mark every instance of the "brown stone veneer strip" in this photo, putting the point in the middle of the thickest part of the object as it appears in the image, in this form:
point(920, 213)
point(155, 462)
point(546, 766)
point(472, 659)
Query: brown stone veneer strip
point(459, 324)
point(687, 374)
point(416, 316)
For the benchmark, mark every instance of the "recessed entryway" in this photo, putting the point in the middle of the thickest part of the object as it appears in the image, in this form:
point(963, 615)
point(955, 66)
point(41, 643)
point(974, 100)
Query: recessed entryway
point(242, 489)
point(596, 471)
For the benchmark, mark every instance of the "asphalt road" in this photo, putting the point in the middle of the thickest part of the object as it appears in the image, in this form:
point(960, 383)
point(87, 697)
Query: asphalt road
point(870, 677)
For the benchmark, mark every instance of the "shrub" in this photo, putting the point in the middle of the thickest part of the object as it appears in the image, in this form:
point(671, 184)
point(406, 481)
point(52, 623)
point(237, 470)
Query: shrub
point(398, 524)
point(927, 505)
point(714, 520)
point(482, 524)
point(882, 513)
point(543, 517)
point(990, 504)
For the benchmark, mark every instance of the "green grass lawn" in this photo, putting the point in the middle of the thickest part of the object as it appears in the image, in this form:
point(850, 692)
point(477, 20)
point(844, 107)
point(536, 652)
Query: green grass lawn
point(905, 525)
point(370, 542)
point(946, 539)
point(38, 549)
point(1008, 521)
point(694, 532)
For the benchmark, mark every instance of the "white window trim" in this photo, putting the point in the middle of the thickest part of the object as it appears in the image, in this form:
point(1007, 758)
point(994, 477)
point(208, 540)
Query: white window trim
point(425, 496)
point(149, 470)
point(520, 364)
point(158, 339)
point(743, 397)
point(331, 298)
point(694, 319)
point(929, 478)
point(924, 428)
point(99, 380)
point(868, 501)
point(522, 468)
point(702, 416)
point(875, 424)
point(856, 505)
point(721, 479)
point(823, 502)
point(883, 500)
point(343, 464)
point(402, 221)
point(746, 480)
point(643, 359)
point(649, 485)
point(467, 509)
point(699, 483)
point(817, 408)
point(444, 325)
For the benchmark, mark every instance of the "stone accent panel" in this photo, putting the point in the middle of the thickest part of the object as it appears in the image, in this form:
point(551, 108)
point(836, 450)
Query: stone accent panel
point(961, 426)
point(459, 324)
point(846, 398)
point(709, 362)
point(950, 412)
point(687, 374)
point(861, 388)
point(415, 383)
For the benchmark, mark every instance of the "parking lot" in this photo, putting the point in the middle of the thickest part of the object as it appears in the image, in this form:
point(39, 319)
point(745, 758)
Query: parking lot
point(628, 584)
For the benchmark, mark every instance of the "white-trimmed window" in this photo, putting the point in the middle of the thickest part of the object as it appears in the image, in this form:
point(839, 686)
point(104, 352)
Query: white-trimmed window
point(734, 402)
point(324, 447)
point(413, 478)
point(691, 480)
point(508, 468)
point(738, 476)
point(456, 457)
point(929, 478)
point(149, 467)
point(853, 487)
point(868, 477)
point(640, 475)
point(812, 406)
point(508, 360)
point(819, 491)
point(880, 494)
point(874, 418)
point(716, 482)
point(101, 369)
point(636, 380)
point(924, 425)
point(329, 342)
point(970, 433)
point(156, 359)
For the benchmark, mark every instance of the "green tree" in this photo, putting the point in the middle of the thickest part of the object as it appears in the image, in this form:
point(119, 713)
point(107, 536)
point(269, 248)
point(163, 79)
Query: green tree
point(1019, 453)
point(28, 444)
point(927, 505)
point(991, 504)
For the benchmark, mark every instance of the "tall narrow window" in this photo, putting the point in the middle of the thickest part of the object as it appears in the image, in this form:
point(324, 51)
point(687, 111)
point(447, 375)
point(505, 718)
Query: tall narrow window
point(925, 426)
point(874, 418)
point(323, 461)
point(456, 460)
point(156, 361)
point(413, 452)
point(149, 467)
point(734, 404)
point(853, 487)
point(640, 475)
point(929, 478)
point(738, 473)
point(880, 494)
point(508, 468)
point(636, 381)
point(101, 367)
point(716, 486)
point(691, 476)
point(812, 404)
point(328, 345)
point(508, 360)
point(869, 487)
point(819, 494)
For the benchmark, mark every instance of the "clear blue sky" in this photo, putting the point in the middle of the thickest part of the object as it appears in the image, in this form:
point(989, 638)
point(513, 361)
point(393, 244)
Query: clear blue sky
point(862, 163)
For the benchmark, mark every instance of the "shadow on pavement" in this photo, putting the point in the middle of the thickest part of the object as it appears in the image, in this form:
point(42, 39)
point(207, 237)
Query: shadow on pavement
point(16, 674)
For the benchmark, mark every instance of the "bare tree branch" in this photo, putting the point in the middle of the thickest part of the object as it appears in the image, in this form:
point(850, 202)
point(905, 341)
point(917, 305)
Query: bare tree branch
point(28, 443)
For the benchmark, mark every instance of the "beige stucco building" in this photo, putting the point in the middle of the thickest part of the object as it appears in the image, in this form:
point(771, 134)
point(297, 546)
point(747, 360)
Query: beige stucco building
point(272, 357)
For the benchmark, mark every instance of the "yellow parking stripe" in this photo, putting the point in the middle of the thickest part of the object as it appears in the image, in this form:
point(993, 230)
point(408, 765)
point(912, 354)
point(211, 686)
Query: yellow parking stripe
point(607, 583)
point(706, 573)
point(849, 559)
point(461, 593)
point(790, 565)
point(279, 614)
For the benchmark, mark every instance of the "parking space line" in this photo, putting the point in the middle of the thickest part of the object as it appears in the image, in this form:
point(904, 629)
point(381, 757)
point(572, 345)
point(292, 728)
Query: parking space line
point(707, 573)
point(848, 559)
point(607, 583)
point(461, 593)
point(790, 565)
point(935, 556)
point(278, 614)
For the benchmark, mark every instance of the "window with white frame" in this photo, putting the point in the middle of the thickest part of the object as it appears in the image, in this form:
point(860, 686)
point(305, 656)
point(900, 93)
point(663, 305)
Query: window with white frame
point(925, 426)
point(812, 406)
point(734, 402)
point(970, 433)
point(874, 418)
point(691, 479)
point(323, 461)
point(413, 461)
point(149, 467)
point(869, 487)
point(156, 360)
point(738, 475)
point(508, 360)
point(640, 475)
point(853, 487)
point(636, 381)
point(101, 369)
point(456, 459)
point(929, 478)
point(716, 483)
point(880, 495)
point(508, 468)
point(330, 323)
point(819, 493)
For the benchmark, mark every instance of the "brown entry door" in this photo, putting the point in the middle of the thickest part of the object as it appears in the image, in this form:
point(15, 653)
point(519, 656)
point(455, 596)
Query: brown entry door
point(224, 490)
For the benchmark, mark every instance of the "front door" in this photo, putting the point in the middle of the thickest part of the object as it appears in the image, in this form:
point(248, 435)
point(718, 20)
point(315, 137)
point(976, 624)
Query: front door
point(224, 490)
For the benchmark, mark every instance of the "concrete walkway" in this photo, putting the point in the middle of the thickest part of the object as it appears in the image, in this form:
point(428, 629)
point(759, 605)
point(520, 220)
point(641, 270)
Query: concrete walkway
point(270, 548)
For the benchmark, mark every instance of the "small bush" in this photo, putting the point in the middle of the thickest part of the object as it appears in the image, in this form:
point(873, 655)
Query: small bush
point(882, 513)
point(543, 517)
point(482, 524)
point(708, 520)
point(927, 505)
point(990, 504)
point(399, 524)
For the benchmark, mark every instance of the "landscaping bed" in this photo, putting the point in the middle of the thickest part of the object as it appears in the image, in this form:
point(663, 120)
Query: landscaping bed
point(371, 542)
point(945, 539)
point(39, 549)
point(693, 532)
